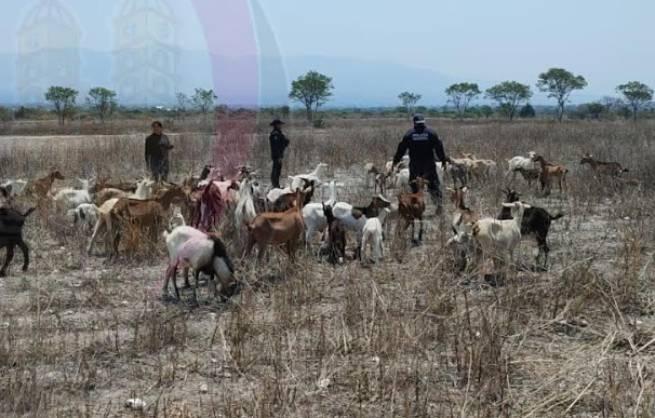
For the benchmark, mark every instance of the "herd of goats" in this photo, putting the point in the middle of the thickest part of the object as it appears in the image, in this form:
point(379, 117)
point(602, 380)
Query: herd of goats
point(190, 215)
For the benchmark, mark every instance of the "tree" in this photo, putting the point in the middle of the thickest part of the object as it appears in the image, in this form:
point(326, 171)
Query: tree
point(409, 101)
point(312, 90)
point(595, 109)
point(527, 111)
point(461, 95)
point(636, 94)
point(203, 100)
point(102, 101)
point(559, 84)
point(486, 111)
point(509, 95)
point(63, 99)
point(183, 102)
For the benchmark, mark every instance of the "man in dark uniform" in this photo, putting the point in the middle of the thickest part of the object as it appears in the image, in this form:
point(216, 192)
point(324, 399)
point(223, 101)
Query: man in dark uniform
point(423, 143)
point(279, 143)
point(157, 149)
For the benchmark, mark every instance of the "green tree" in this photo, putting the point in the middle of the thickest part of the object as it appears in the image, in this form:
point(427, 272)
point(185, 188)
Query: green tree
point(102, 101)
point(509, 95)
point(461, 95)
point(312, 90)
point(637, 95)
point(486, 111)
point(63, 99)
point(527, 111)
point(183, 102)
point(203, 100)
point(409, 101)
point(595, 109)
point(559, 84)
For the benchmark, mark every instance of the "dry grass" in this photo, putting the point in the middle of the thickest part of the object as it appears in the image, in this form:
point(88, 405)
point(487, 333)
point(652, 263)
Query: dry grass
point(79, 336)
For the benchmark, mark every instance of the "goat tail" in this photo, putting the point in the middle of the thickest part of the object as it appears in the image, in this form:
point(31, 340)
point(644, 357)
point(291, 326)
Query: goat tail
point(29, 212)
point(556, 217)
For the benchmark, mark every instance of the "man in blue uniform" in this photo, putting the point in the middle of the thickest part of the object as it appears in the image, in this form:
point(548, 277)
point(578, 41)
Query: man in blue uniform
point(423, 143)
point(279, 143)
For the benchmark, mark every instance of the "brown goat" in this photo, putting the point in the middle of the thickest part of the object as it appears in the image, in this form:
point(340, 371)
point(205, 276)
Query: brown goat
point(550, 171)
point(273, 228)
point(612, 169)
point(411, 207)
point(40, 188)
point(144, 215)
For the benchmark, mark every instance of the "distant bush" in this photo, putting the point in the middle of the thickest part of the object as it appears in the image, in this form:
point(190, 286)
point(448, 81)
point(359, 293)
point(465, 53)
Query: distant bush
point(318, 123)
point(6, 114)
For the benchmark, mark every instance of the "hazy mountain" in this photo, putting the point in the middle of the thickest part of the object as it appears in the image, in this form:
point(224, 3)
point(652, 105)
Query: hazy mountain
point(357, 82)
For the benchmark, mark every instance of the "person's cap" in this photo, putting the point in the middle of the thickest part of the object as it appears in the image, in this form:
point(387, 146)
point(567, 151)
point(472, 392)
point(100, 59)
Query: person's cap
point(419, 119)
point(277, 122)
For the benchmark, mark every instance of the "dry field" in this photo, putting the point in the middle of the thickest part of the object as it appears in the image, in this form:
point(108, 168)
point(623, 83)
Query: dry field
point(79, 335)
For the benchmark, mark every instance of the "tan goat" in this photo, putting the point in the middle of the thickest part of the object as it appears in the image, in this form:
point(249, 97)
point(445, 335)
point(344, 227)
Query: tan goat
point(550, 172)
point(39, 189)
point(612, 169)
point(411, 207)
point(273, 228)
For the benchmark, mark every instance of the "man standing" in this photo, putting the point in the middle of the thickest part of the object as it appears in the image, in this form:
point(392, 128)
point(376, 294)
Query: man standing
point(279, 143)
point(157, 149)
point(422, 144)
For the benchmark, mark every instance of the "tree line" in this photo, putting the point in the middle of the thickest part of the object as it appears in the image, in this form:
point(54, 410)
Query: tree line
point(558, 83)
point(313, 89)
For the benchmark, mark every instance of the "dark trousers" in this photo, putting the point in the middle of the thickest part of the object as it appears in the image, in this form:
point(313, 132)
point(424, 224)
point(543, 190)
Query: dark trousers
point(431, 176)
point(158, 169)
point(276, 172)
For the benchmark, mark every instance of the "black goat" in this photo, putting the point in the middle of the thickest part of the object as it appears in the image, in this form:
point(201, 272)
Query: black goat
point(336, 238)
point(536, 221)
point(11, 235)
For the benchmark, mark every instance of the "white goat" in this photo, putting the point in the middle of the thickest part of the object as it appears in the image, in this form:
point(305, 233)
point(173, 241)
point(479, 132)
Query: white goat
point(69, 198)
point(499, 238)
point(16, 186)
point(519, 162)
point(191, 248)
point(314, 217)
point(372, 236)
point(298, 181)
point(85, 214)
point(245, 210)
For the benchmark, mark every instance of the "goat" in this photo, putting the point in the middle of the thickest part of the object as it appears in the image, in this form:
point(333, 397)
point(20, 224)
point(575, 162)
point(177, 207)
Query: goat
point(15, 187)
point(69, 198)
point(286, 201)
point(535, 221)
point(144, 214)
point(612, 169)
point(272, 228)
point(354, 217)
point(458, 172)
point(517, 162)
point(411, 207)
point(213, 201)
point(550, 171)
point(499, 238)
point(372, 236)
point(144, 190)
point(336, 237)
point(313, 216)
point(463, 218)
point(86, 214)
point(206, 253)
point(11, 235)
point(528, 175)
point(245, 210)
point(40, 188)
point(298, 180)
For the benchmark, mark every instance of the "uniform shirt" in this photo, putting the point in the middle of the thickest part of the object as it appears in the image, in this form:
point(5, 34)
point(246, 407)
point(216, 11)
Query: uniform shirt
point(157, 147)
point(279, 143)
point(422, 145)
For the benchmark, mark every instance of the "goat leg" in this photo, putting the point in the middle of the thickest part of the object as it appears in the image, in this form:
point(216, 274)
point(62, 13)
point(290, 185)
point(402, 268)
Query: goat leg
point(195, 289)
point(26, 254)
point(9, 257)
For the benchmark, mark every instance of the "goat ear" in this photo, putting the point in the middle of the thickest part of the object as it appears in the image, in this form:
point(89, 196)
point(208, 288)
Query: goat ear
point(508, 205)
point(450, 190)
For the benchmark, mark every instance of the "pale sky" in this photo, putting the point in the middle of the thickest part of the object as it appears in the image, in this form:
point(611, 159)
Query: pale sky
point(488, 41)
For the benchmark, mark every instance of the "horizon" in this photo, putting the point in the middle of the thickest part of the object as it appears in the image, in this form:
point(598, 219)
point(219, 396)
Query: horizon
point(380, 59)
